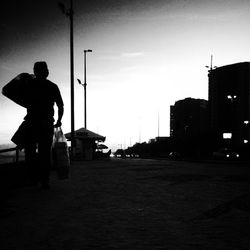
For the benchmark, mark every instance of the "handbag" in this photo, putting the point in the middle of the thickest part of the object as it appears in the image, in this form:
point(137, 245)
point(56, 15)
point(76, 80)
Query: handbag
point(19, 138)
point(60, 154)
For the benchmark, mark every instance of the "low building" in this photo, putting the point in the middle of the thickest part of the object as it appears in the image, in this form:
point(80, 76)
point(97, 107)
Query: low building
point(86, 143)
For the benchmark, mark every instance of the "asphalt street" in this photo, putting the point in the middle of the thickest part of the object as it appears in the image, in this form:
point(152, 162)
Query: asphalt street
point(132, 204)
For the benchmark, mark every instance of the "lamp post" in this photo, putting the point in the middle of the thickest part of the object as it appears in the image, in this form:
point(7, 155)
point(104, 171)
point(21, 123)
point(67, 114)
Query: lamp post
point(85, 87)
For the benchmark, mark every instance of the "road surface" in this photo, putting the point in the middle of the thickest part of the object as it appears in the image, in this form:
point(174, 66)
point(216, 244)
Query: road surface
point(132, 204)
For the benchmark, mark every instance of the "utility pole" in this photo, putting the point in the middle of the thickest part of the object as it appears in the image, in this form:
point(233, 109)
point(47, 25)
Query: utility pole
point(70, 13)
point(73, 141)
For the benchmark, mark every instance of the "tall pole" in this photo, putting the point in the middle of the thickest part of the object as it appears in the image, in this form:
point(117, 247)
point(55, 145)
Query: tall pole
point(70, 13)
point(85, 93)
point(85, 87)
point(73, 142)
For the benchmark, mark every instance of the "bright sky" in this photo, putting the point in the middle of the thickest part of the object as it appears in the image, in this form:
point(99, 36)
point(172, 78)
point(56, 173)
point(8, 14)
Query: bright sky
point(146, 55)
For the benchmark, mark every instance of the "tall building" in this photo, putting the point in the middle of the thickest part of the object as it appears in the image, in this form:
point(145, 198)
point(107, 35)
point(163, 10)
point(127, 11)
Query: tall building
point(189, 119)
point(229, 104)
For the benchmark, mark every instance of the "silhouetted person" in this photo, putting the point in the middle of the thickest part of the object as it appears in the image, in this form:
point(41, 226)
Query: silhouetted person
point(43, 94)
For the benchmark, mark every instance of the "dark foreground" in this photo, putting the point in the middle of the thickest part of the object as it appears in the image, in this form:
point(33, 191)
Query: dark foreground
point(132, 204)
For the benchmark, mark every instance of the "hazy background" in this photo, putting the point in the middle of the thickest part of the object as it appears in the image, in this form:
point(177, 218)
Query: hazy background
point(146, 55)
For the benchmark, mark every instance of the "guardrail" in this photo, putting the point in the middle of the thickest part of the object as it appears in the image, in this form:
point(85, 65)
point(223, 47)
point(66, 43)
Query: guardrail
point(11, 149)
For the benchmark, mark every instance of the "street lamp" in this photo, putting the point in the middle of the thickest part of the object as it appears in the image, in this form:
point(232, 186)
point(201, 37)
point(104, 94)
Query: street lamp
point(231, 98)
point(85, 87)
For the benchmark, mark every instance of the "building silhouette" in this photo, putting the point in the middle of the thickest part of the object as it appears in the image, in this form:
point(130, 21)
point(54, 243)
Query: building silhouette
point(229, 105)
point(199, 127)
point(188, 118)
point(189, 124)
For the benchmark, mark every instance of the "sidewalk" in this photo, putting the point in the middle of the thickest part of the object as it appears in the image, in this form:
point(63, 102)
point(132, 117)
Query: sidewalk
point(132, 204)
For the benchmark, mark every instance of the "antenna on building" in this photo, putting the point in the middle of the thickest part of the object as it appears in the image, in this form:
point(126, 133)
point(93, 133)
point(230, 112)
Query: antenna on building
point(139, 129)
point(158, 125)
point(140, 135)
point(211, 67)
point(211, 63)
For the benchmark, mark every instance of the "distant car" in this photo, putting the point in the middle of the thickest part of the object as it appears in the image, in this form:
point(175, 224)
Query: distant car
point(120, 153)
point(226, 153)
point(174, 155)
point(134, 155)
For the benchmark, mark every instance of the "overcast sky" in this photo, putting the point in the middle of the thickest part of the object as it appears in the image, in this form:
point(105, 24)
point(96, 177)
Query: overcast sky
point(146, 55)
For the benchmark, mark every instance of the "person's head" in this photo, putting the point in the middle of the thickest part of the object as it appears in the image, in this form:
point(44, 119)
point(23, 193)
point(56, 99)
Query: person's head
point(41, 70)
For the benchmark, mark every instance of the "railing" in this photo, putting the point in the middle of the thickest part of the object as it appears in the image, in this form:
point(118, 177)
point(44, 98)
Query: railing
point(11, 149)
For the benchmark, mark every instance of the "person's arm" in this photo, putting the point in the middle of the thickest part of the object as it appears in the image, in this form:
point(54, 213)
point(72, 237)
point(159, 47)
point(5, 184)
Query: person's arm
point(60, 105)
point(60, 115)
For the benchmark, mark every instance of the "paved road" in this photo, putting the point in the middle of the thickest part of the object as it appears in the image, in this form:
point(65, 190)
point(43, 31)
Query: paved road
point(133, 204)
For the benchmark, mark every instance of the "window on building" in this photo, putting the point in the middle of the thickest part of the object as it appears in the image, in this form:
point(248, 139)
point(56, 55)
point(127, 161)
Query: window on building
point(227, 135)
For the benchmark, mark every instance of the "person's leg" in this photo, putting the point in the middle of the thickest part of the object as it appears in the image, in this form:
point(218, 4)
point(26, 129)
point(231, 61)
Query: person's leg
point(31, 162)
